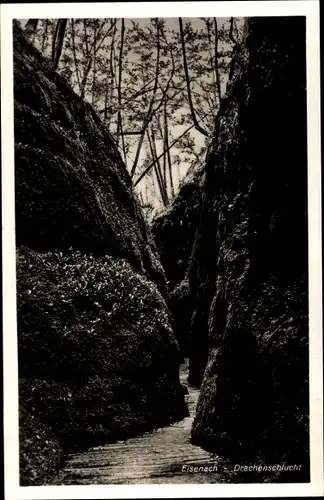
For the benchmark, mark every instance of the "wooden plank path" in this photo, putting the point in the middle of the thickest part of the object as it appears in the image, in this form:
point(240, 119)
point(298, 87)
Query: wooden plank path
point(156, 457)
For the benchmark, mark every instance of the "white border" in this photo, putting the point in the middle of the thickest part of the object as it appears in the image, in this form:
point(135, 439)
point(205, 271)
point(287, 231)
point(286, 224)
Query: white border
point(308, 8)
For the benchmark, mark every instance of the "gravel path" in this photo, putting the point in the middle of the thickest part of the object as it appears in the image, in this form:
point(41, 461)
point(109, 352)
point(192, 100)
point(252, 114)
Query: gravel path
point(156, 457)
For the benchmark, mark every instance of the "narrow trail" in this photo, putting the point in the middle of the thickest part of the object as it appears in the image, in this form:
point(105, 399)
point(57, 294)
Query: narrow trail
point(156, 457)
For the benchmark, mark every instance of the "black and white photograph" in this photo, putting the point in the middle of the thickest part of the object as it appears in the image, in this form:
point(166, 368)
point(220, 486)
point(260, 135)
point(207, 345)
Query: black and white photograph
point(163, 324)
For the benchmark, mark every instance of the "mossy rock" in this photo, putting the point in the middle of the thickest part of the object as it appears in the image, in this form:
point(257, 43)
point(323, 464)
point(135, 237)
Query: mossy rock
point(72, 187)
point(249, 268)
point(97, 357)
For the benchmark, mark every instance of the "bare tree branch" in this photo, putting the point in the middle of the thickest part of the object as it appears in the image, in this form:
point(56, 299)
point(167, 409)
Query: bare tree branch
point(90, 56)
point(143, 174)
point(143, 90)
point(156, 169)
point(153, 112)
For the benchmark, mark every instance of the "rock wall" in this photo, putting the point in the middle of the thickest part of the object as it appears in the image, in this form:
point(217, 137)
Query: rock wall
point(174, 233)
point(248, 272)
point(178, 224)
point(98, 360)
point(72, 188)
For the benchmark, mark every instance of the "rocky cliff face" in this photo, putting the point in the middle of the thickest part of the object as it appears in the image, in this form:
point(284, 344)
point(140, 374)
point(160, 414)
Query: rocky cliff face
point(174, 233)
point(72, 188)
point(178, 223)
point(98, 360)
point(248, 269)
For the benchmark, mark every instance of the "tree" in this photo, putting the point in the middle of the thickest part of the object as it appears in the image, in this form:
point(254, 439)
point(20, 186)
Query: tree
point(156, 83)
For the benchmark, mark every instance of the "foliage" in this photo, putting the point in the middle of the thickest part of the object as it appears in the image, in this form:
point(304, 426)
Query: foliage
point(41, 453)
point(97, 357)
point(70, 305)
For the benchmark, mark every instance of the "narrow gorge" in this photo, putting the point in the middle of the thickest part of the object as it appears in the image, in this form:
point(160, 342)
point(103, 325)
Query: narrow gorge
point(148, 347)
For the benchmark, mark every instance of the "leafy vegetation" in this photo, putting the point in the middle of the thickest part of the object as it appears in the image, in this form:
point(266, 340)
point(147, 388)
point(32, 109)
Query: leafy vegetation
point(71, 304)
point(97, 357)
point(41, 453)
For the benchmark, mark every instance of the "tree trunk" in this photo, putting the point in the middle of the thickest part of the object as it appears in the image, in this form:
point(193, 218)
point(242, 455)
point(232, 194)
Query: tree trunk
point(166, 147)
point(193, 114)
point(120, 75)
point(94, 69)
point(156, 169)
point(211, 60)
point(74, 55)
point(216, 61)
point(111, 73)
point(45, 36)
point(148, 116)
point(31, 27)
point(58, 42)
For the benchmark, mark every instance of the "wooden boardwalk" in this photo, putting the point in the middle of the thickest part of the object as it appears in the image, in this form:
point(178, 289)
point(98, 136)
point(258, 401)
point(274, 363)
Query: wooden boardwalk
point(157, 457)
